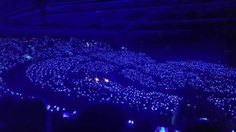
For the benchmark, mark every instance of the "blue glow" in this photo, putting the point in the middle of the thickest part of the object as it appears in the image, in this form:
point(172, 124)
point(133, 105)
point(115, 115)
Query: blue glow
point(48, 107)
point(106, 80)
point(203, 119)
point(131, 122)
point(96, 79)
point(66, 115)
point(58, 108)
point(161, 129)
point(74, 112)
point(28, 57)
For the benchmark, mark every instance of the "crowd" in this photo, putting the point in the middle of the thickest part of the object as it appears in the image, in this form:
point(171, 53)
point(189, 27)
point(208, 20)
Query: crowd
point(94, 71)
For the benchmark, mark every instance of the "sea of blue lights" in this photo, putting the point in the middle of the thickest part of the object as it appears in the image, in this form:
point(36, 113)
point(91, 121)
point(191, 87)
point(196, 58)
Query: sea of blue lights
point(93, 71)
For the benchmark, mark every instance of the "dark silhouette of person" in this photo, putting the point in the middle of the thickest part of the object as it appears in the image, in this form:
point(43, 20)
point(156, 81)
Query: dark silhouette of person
point(22, 115)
